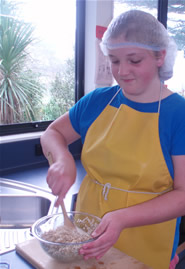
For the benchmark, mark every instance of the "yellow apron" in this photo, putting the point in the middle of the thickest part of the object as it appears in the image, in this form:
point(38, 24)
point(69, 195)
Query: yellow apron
point(125, 166)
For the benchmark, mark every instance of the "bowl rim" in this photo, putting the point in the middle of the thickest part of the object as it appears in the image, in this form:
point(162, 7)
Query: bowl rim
point(34, 233)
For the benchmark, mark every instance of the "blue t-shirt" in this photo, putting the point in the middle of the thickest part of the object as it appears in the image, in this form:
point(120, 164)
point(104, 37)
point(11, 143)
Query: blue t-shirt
point(171, 121)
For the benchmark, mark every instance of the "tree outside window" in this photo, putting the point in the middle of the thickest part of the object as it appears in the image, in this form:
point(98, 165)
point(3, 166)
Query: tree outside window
point(35, 85)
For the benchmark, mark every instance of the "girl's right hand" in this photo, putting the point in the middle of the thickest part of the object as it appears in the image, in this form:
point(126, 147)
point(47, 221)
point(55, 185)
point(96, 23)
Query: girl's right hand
point(61, 176)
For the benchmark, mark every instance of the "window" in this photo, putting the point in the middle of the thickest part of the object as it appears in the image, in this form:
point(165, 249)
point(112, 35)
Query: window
point(172, 14)
point(176, 27)
point(38, 45)
point(124, 5)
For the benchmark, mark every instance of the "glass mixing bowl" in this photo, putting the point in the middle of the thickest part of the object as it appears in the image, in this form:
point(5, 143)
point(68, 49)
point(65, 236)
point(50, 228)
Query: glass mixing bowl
point(61, 242)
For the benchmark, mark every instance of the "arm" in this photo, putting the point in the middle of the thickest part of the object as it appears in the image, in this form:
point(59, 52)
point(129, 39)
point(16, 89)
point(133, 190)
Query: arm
point(165, 207)
point(55, 140)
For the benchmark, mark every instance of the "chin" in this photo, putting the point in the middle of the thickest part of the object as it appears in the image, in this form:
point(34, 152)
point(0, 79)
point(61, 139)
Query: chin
point(130, 85)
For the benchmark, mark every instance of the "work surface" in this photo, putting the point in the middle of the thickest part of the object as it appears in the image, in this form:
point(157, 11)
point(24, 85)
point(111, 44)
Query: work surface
point(113, 259)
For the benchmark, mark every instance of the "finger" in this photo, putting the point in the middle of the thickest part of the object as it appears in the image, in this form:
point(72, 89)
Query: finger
point(97, 249)
point(97, 254)
point(100, 255)
point(91, 249)
point(101, 241)
point(94, 252)
point(50, 178)
point(57, 187)
point(59, 200)
point(65, 187)
point(100, 229)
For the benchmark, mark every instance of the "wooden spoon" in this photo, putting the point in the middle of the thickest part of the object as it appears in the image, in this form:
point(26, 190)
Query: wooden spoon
point(67, 221)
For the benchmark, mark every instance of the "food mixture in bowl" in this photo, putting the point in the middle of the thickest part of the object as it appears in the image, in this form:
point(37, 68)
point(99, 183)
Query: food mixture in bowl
point(62, 242)
point(65, 235)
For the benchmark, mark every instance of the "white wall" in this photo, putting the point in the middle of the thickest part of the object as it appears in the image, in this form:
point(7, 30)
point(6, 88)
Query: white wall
point(98, 12)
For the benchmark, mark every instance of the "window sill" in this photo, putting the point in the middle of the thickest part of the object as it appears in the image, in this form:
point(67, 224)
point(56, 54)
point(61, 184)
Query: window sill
point(19, 137)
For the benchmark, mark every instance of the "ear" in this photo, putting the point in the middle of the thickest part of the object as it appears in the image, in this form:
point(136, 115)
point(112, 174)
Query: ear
point(160, 57)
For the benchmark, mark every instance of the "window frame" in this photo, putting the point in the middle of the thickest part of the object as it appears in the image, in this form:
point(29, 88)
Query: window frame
point(38, 126)
point(162, 12)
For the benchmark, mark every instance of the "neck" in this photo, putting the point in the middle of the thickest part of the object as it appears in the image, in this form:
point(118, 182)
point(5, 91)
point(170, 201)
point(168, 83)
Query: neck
point(148, 95)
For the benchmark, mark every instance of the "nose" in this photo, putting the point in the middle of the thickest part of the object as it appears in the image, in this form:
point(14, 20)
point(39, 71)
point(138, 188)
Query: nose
point(123, 69)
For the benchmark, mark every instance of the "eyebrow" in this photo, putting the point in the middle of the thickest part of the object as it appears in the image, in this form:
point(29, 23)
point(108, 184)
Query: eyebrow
point(110, 55)
point(130, 54)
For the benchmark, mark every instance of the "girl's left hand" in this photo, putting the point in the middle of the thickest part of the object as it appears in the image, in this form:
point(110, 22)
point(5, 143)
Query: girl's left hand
point(108, 232)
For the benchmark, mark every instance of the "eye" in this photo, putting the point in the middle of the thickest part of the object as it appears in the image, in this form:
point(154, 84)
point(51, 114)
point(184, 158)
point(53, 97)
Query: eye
point(115, 62)
point(135, 61)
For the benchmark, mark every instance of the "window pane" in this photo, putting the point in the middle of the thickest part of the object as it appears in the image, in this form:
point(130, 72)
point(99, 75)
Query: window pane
point(124, 5)
point(37, 69)
point(176, 27)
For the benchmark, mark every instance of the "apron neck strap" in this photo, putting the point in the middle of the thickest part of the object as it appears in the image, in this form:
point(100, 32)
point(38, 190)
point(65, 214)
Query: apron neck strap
point(160, 96)
point(114, 96)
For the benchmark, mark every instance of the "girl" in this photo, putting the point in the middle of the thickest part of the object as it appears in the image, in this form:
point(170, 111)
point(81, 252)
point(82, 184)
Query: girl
point(133, 146)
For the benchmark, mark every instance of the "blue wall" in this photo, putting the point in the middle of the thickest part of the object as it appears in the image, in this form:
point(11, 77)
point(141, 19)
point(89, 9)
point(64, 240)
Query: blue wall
point(22, 154)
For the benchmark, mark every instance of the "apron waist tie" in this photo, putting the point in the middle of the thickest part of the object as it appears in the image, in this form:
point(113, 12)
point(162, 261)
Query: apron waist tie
point(108, 186)
point(106, 189)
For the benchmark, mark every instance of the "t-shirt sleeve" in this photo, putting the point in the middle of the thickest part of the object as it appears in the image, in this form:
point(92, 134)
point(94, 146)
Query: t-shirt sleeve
point(76, 112)
point(178, 138)
point(73, 115)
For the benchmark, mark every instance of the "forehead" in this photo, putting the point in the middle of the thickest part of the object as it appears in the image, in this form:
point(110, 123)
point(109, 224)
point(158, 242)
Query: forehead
point(129, 51)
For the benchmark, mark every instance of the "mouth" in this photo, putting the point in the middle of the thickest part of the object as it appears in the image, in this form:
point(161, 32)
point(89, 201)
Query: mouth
point(128, 80)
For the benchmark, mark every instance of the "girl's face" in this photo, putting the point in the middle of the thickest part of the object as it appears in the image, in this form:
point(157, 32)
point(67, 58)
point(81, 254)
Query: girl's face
point(136, 71)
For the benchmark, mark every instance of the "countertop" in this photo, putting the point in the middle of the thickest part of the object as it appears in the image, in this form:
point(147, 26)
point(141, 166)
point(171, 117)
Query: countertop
point(37, 176)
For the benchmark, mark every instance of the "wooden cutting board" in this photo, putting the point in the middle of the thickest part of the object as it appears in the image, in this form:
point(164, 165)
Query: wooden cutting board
point(31, 251)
